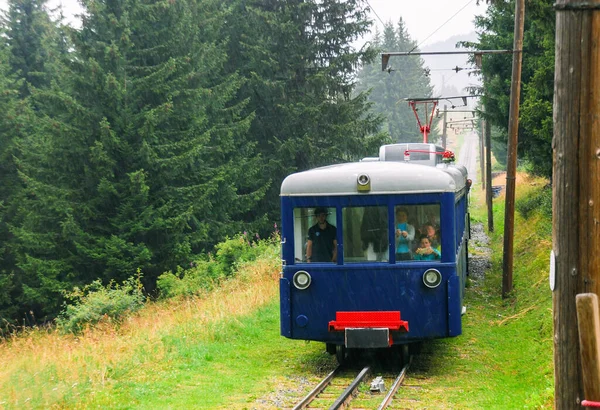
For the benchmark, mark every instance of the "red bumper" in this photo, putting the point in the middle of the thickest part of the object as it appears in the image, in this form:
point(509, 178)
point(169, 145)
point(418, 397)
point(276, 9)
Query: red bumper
point(365, 320)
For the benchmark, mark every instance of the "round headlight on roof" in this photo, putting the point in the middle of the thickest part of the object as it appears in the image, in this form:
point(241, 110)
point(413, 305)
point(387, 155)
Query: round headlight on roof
point(363, 183)
point(301, 279)
point(363, 179)
point(432, 278)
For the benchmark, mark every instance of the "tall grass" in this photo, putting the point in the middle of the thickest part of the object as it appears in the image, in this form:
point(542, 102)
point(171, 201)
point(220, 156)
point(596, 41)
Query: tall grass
point(42, 368)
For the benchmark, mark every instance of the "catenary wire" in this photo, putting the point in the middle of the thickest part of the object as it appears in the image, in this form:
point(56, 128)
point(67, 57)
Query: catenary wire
point(437, 29)
point(374, 12)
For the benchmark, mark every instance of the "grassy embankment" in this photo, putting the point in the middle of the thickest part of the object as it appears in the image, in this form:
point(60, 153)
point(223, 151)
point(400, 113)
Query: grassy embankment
point(223, 349)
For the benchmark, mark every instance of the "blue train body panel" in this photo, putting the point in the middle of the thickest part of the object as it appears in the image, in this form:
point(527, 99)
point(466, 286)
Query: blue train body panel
point(383, 289)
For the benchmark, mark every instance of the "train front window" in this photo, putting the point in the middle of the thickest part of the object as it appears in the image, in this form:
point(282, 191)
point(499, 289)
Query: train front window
point(315, 235)
point(417, 232)
point(365, 234)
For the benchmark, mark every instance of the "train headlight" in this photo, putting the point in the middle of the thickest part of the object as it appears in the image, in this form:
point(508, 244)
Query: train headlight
point(363, 183)
point(432, 278)
point(301, 279)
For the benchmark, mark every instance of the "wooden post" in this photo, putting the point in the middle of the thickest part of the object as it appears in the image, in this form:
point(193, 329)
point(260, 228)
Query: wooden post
point(481, 154)
point(488, 176)
point(576, 191)
point(590, 164)
point(513, 137)
point(588, 324)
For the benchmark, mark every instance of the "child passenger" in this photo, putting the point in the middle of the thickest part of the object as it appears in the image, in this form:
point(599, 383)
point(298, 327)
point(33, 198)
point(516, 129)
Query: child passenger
point(425, 252)
point(405, 233)
point(433, 235)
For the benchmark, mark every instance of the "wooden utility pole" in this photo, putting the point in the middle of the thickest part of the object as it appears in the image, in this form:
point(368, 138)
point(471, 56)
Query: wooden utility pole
point(445, 128)
point(513, 138)
point(588, 324)
point(488, 175)
point(481, 152)
point(575, 260)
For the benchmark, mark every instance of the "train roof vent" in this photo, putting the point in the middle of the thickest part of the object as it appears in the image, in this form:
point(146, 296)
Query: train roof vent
point(395, 152)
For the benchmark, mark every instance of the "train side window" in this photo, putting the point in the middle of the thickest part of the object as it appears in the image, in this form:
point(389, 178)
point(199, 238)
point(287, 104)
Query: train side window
point(411, 224)
point(304, 219)
point(365, 234)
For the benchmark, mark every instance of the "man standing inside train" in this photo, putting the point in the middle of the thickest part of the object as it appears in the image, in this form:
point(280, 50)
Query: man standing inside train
point(322, 242)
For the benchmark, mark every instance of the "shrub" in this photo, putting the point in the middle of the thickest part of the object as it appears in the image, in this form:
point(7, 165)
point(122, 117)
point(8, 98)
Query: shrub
point(95, 303)
point(203, 275)
point(540, 200)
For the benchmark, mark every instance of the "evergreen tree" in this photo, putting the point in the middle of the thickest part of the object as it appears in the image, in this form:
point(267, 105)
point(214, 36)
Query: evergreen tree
point(138, 157)
point(300, 65)
point(406, 79)
point(13, 123)
point(28, 58)
point(31, 38)
point(495, 31)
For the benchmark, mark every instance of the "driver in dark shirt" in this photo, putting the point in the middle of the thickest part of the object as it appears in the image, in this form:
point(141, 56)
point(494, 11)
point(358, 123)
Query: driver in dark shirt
point(322, 242)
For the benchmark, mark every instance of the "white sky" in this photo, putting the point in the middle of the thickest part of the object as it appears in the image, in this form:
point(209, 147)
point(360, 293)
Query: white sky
point(424, 17)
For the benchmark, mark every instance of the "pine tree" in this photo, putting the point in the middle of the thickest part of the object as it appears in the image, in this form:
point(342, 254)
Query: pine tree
point(13, 123)
point(495, 31)
point(389, 91)
point(300, 65)
point(29, 54)
point(30, 36)
point(139, 156)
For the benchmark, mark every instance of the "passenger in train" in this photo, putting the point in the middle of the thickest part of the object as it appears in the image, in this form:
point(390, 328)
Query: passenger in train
point(374, 233)
point(405, 233)
point(433, 235)
point(425, 252)
point(434, 219)
point(322, 242)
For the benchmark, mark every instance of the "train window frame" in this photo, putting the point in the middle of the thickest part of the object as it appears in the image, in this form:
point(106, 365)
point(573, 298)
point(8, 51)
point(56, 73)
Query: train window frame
point(355, 234)
point(303, 219)
point(425, 209)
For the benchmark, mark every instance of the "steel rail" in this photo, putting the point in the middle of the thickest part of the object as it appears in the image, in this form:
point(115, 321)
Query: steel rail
point(388, 399)
point(317, 390)
point(341, 401)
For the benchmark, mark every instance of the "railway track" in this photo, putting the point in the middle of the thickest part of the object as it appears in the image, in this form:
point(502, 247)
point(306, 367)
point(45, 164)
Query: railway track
point(336, 392)
point(468, 155)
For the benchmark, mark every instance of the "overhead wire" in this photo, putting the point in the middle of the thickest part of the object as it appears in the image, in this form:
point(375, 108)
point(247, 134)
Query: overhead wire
point(374, 12)
point(437, 29)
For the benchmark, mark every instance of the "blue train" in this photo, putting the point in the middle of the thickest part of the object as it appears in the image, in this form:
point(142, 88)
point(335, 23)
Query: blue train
point(357, 271)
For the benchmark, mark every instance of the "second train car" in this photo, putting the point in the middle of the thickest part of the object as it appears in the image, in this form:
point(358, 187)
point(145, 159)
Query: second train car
point(373, 286)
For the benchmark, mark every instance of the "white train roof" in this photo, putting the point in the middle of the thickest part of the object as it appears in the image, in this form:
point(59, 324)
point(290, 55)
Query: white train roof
point(386, 177)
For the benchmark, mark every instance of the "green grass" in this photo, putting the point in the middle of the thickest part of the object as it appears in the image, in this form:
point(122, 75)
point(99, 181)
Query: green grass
point(514, 335)
point(213, 373)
